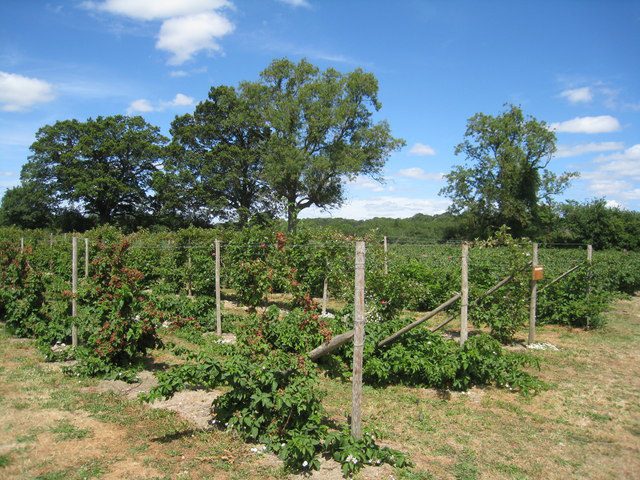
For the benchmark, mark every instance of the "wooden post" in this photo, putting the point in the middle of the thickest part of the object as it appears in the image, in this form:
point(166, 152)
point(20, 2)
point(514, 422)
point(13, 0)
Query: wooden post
point(358, 342)
point(218, 310)
point(386, 259)
point(325, 296)
point(589, 263)
point(189, 292)
point(74, 290)
point(464, 303)
point(86, 257)
point(51, 239)
point(533, 300)
point(21, 244)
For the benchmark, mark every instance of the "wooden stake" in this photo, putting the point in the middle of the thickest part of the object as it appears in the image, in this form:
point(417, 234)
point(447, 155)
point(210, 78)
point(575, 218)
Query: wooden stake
point(358, 342)
point(386, 260)
point(325, 295)
point(21, 244)
point(74, 290)
point(86, 257)
point(464, 303)
point(189, 293)
point(218, 310)
point(589, 261)
point(534, 299)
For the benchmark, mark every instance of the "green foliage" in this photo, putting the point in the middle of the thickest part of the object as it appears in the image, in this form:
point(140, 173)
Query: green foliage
point(507, 310)
point(117, 323)
point(321, 132)
point(105, 164)
point(354, 454)
point(506, 181)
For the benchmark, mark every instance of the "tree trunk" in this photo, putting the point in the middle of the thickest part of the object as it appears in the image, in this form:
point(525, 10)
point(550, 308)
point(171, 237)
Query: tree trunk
point(292, 217)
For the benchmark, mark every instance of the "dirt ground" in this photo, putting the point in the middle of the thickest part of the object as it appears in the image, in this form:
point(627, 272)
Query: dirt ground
point(585, 425)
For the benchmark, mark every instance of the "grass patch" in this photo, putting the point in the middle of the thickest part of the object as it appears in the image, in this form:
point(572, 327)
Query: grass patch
point(5, 460)
point(64, 430)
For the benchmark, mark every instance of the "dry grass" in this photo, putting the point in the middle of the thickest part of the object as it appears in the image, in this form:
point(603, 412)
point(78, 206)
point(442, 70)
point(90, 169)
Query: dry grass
point(587, 425)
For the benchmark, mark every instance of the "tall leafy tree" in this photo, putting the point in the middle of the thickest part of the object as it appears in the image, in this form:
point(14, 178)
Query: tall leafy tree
point(321, 133)
point(102, 167)
point(505, 180)
point(216, 160)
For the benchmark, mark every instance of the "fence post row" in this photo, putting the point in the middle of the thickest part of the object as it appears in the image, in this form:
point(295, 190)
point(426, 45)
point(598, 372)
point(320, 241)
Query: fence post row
point(534, 298)
point(464, 301)
point(218, 310)
point(358, 342)
point(74, 290)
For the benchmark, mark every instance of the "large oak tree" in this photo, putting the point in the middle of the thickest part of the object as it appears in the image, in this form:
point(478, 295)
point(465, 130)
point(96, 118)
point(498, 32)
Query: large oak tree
point(101, 167)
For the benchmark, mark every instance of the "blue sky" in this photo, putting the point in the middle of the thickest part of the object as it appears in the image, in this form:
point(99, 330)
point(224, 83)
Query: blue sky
point(573, 64)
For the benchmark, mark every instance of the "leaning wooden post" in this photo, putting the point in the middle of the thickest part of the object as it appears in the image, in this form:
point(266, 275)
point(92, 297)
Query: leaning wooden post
point(534, 298)
point(325, 295)
point(386, 256)
point(86, 257)
point(358, 342)
point(74, 290)
point(464, 303)
point(218, 310)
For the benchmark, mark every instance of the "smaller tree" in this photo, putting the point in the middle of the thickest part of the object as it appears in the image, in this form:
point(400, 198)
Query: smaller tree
point(26, 206)
point(505, 180)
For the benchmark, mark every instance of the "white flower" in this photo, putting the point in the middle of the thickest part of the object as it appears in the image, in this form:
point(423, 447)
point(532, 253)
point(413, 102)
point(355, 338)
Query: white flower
point(282, 444)
point(305, 464)
point(254, 450)
point(355, 460)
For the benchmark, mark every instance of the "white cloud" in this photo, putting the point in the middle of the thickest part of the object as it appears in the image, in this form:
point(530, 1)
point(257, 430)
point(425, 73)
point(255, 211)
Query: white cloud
point(419, 174)
point(141, 105)
point(599, 124)
point(616, 175)
point(367, 184)
point(188, 27)
point(422, 150)
point(625, 164)
point(385, 206)
point(181, 100)
point(613, 204)
point(185, 36)
point(578, 95)
point(178, 73)
point(297, 3)
point(156, 9)
point(20, 93)
point(7, 174)
point(584, 148)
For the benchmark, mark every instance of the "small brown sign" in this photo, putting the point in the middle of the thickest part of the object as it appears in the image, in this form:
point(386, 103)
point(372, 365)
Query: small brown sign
point(538, 273)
